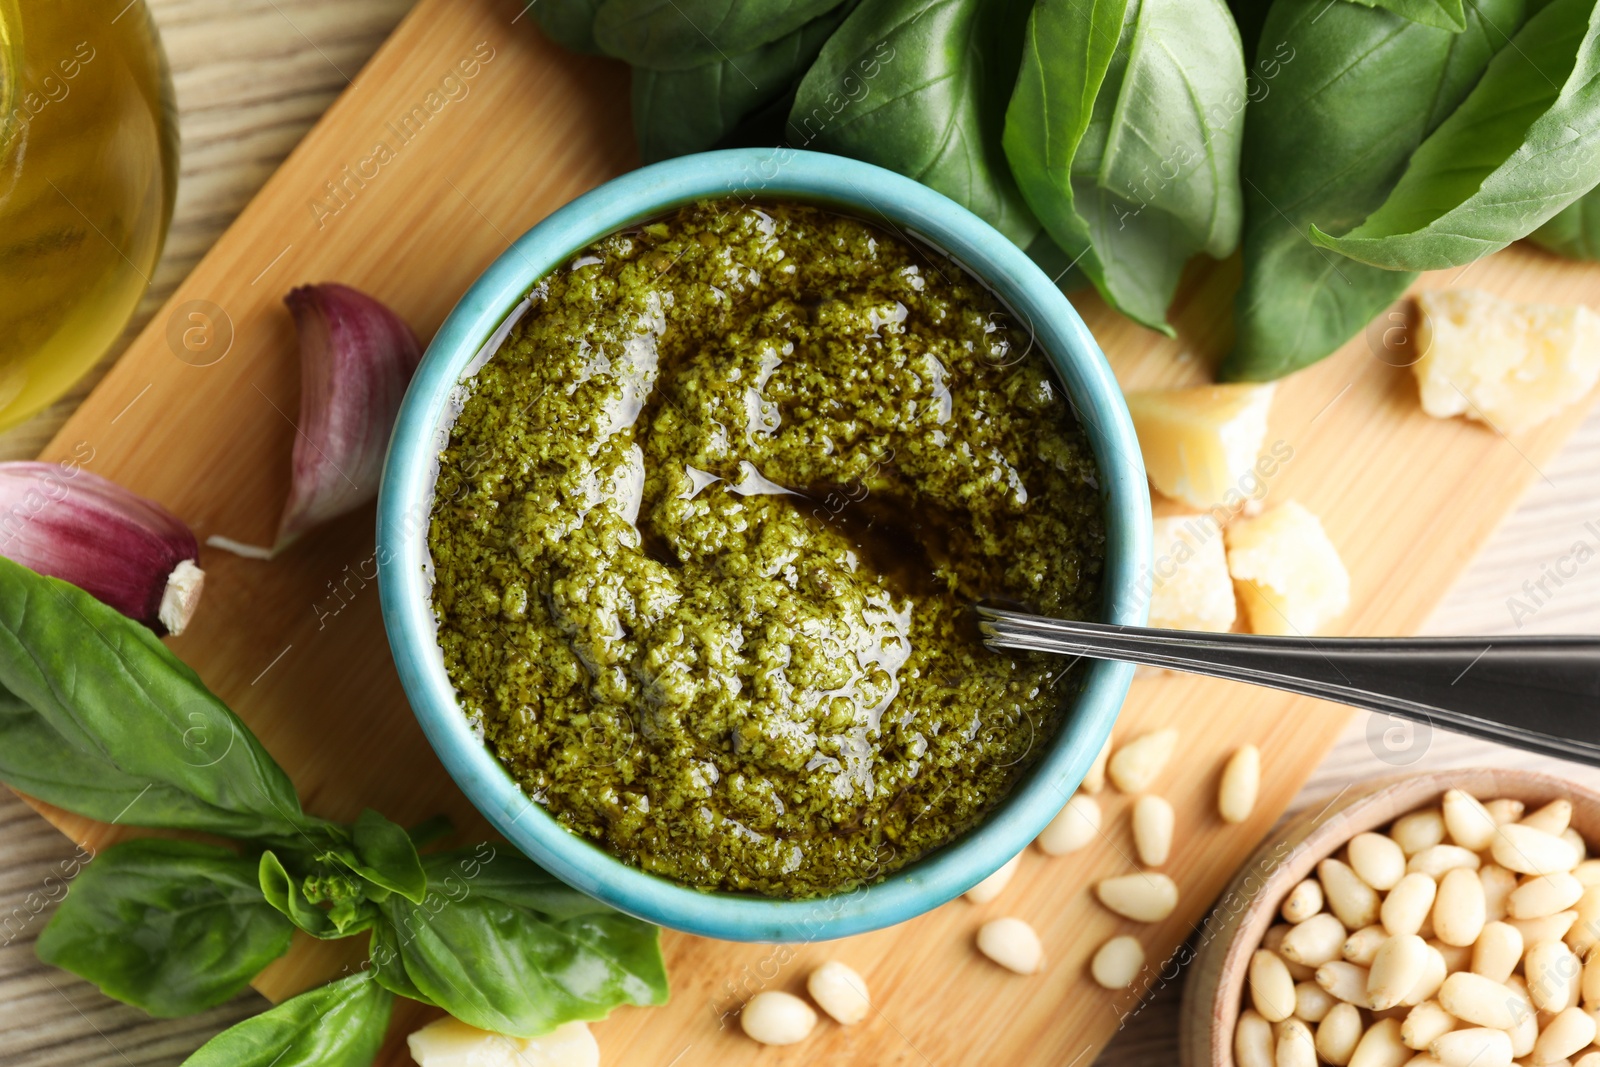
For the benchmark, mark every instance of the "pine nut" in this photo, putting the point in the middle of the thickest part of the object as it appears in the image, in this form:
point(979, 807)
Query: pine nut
point(1253, 1044)
point(1377, 860)
point(1528, 850)
point(1553, 818)
point(1525, 1032)
point(1381, 1046)
point(1497, 952)
point(1588, 1059)
point(1504, 810)
point(1569, 1032)
point(1152, 829)
point(1439, 859)
point(1497, 886)
point(1432, 978)
point(1012, 944)
point(1345, 981)
point(1075, 825)
point(1271, 988)
point(1549, 967)
point(1544, 895)
point(1134, 767)
point(1241, 782)
point(1361, 947)
point(1458, 911)
point(1396, 969)
point(1274, 941)
point(1118, 962)
point(1147, 897)
point(1424, 1024)
point(1473, 1047)
point(840, 991)
point(1095, 780)
point(1313, 942)
point(1456, 957)
point(1338, 1034)
point(1295, 1047)
point(993, 885)
point(1311, 1001)
point(1475, 999)
point(1584, 933)
point(1550, 928)
point(1590, 988)
point(1579, 847)
point(1418, 830)
point(1303, 901)
point(776, 1018)
point(1352, 900)
point(1587, 872)
point(1408, 903)
point(1469, 823)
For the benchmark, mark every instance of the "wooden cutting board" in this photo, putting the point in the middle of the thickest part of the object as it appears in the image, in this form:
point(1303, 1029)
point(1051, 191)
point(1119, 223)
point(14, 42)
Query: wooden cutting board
point(484, 130)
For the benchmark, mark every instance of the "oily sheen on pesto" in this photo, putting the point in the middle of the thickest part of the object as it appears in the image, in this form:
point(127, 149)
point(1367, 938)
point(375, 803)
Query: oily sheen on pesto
point(708, 530)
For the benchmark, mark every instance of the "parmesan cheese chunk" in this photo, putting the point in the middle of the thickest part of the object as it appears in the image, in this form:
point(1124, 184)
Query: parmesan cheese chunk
point(1201, 444)
point(1191, 589)
point(1510, 365)
point(1289, 575)
point(449, 1042)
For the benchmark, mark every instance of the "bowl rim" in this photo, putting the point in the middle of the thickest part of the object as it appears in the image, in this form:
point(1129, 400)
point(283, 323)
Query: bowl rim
point(421, 429)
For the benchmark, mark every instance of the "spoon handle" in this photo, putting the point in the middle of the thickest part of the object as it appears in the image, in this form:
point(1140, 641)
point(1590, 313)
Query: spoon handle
point(1537, 693)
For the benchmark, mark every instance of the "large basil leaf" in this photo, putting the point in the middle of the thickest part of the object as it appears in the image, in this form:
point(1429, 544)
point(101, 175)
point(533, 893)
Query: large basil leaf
point(920, 87)
point(382, 853)
point(1522, 146)
point(172, 927)
point(1361, 90)
point(505, 947)
point(120, 729)
point(1124, 135)
point(676, 112)
point(569, 23)
point(1574, 231)
point(1444, 14)
point(679, 34)
point(340, 1024)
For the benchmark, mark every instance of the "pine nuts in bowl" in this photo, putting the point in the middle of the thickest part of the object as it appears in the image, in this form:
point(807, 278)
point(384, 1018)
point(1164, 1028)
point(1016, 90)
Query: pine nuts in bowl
point(1447, 918)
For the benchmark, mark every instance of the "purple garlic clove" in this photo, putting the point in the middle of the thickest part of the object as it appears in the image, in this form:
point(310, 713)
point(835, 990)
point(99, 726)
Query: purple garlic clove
point(128, 552)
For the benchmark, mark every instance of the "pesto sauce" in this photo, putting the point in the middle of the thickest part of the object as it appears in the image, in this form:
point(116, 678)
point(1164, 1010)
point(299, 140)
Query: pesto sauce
point(708, 529)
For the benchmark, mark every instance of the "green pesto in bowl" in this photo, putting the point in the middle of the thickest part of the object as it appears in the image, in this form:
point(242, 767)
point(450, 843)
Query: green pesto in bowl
point(707, 533)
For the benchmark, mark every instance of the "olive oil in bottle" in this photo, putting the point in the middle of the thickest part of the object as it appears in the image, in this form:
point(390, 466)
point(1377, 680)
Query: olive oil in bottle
point(88, 169)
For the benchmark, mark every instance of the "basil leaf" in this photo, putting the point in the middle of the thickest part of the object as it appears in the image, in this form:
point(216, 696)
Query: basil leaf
point(281, 890)
point(120, 729)
point(298, 898)
point(340, 1024)
point(920, 87)
point(172, 927)
point(1574, 231)
point(676, 112)
point(679, 34)
point(1443, 14)
point(385, 856)
point(503, 946)
point(388, 968)
point(569, 23)
point(1522, 146)
point(1357, 89)
point(1124, 135)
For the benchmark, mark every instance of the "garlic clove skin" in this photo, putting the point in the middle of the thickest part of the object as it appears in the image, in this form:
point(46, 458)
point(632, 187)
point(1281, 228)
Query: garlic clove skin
point(356, 359)
point(126, 551)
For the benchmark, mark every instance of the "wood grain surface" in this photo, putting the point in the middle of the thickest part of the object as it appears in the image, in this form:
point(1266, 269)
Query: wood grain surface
point(1407, 500)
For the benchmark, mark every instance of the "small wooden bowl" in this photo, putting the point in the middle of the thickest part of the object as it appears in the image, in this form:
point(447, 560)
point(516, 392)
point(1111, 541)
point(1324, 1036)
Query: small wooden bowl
point(1233, 930)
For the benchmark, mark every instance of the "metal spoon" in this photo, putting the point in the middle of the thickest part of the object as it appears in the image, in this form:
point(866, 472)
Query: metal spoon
point(1537, 693)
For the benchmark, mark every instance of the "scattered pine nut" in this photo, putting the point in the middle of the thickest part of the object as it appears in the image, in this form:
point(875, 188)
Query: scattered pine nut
point(1571, 1031)
point(1012, 944)
point(1118, 962)
point(1361, 947)
point(1352, 900)
point(1271, 988)
point(1312, 1002)
point(1241, 782)
point(1146, 897)
point(1095, 780)
point(993, 885)
point(1424, 1024)
point(1133, 767)
point(1153, 820)
point(1476, 1046)
point(1396, 969)
point(1477, 1000)
point(1497, 951)
point(1075, 825)
point(1418, 830)
point(1548, 967)
point(1338, 1034)
point(1295, 1047)
point(1552, 818)
point(1550, 928)
point(773, 1017)
point(840, 991)
point(1529, 850)
point(1345, 981)
point(1408, 904)
point(1458, 910)
point(1303, 901)
point(1253, 1043)
point(1377, 860)
point(1381, 1046)
point(1469, 823)
point(1544, 895)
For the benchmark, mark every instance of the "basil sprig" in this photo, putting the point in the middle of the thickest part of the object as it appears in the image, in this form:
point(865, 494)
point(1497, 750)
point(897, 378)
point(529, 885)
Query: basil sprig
point(99, 718)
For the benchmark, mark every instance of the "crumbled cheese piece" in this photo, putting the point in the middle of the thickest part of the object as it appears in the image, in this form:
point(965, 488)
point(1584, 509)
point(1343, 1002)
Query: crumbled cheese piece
point(1200, 445)
point(449, 1042)
point(1191, 588)
point(1510, 365)
point(1289, 575)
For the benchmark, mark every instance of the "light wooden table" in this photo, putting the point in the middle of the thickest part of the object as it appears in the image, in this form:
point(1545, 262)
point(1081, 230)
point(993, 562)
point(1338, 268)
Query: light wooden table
point(251, 77)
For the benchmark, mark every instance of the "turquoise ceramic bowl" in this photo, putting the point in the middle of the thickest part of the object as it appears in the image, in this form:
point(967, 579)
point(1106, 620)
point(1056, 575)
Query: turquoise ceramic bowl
point(408, 480)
